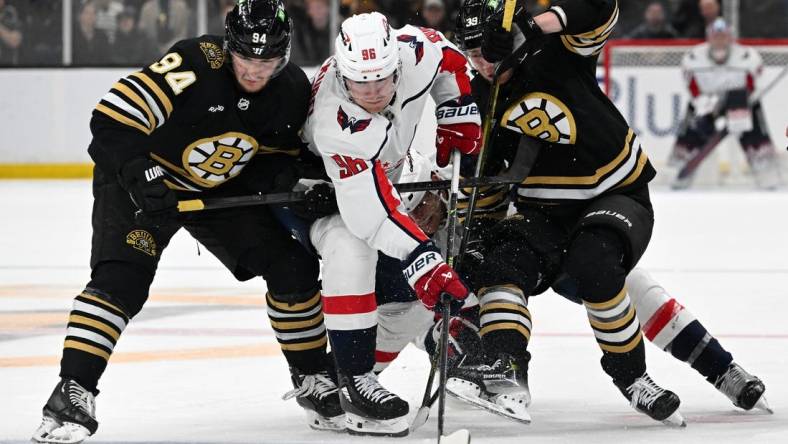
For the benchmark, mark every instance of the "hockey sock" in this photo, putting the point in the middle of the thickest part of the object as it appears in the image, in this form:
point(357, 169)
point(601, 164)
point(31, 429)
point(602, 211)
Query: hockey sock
point(352, 324)
point(94, 326)
point(505, 322)
point(299, 329)
point(617, 332)
point(673, 328)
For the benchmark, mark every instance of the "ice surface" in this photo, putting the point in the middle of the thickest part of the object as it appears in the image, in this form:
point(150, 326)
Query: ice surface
point(200, 364)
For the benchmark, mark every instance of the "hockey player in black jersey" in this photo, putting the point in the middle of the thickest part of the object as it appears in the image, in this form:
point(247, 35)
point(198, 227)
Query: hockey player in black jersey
point(214, 116)
point(584, 217)
point(665, 322)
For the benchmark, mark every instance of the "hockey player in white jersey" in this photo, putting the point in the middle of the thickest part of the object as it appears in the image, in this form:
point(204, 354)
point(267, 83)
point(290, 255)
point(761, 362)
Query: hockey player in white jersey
point(722, 77)
point(367, 102)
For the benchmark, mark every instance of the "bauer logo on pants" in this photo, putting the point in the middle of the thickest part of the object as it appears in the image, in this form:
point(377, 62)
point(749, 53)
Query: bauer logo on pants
point(143, 241)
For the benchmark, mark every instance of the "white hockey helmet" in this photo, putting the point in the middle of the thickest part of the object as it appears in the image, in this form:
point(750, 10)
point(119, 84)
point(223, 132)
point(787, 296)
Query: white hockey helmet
point(417, 168)
point(366, 48)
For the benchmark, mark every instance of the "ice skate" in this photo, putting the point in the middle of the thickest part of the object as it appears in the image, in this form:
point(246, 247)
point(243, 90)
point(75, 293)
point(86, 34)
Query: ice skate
point(318, 395)
point(370, 409)
point(69, 415)
point(500, 387)
point(745, 390)
point(647, 397)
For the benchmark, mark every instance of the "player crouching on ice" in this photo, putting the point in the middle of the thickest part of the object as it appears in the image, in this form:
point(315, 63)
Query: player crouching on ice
point(367, 103)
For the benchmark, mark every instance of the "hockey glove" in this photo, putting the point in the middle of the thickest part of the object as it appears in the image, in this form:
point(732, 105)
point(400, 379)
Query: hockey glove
point(319, 201)
point(430, 277)
point(459, 128)
point(143, 179)
point(498, 43)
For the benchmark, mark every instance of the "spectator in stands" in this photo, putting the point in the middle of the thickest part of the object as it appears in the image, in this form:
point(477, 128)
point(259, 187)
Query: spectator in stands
point(433, 15)
point(90, 46)
point(42, 48)
point(106, 16)
point(312, 36)
point(694, 16)
point(219, 13)
point(655, 25)
point(165, 22)
point(10, 34)
point(131, 47)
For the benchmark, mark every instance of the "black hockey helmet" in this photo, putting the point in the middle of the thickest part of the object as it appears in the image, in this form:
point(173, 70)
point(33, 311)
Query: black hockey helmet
point(471, 19)
point(258, 29)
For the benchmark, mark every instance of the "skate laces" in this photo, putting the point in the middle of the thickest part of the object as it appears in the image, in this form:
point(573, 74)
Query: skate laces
point(80, 397)
point(369, 387)
point(320, 384)
point(644, 392)
point(732, 382)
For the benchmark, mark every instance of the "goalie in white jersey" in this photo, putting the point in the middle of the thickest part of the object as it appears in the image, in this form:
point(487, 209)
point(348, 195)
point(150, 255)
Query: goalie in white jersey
point(367, 102)
point(722, 77)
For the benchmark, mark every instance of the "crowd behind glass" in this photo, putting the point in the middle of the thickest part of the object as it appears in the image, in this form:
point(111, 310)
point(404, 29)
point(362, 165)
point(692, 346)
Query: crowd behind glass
point(134, 32)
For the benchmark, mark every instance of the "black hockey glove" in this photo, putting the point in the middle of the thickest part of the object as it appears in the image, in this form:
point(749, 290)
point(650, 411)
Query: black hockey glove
point(497, 43)
point(279, 173)
point(319, 201)
point(143, 179)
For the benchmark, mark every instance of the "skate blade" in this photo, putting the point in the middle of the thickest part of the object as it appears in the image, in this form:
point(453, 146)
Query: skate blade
point(360, 426)
point(764, 405)
point(522, 417)
point(323, 423)
point(461, 436)
point(420, 419)
point(676, 419)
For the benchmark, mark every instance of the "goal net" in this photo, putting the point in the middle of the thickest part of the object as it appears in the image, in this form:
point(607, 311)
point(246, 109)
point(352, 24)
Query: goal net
point(644, 79)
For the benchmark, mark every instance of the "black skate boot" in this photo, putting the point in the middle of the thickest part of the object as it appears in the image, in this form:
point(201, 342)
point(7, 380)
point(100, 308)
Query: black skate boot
point(500, 387)
point(745, 390)
point(318, 395)
point(69, 415)
point(370, 409)
point(647, 397)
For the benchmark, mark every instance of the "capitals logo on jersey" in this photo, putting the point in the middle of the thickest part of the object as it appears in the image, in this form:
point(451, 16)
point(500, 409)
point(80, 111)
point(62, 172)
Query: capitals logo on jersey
point(414, 43)
point(354, 124)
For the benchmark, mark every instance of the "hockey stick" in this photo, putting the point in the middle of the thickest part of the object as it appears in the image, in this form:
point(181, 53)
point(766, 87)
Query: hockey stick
point(513, 175)
point(685, 174)
point(461, 436)
point(489, 125)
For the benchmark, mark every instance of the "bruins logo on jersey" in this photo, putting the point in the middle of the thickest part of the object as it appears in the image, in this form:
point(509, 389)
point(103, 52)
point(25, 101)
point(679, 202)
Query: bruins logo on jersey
point(214, 160)
point(542, 116)
point(213, 54)
point(142, 241)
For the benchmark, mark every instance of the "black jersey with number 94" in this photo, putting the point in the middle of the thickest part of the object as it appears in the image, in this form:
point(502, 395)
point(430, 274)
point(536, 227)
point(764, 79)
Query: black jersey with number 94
point(186, 112)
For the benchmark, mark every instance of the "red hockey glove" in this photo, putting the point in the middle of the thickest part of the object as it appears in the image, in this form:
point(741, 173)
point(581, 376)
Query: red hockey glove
point(430, 276)
point(464, 137)
point(459, 128)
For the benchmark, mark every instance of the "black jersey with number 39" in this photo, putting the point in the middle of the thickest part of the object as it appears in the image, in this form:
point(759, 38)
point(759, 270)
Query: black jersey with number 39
point(588, 148)
point(187, 113)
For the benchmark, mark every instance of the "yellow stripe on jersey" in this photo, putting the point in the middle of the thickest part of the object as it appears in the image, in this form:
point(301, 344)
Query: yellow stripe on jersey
point(156, 90)
point(171, 166)
point(642, 161)
point(305, 346)
point(77, 319)
point(586, 180)
point(591, 42)
point(122, 119)
point(138, 101)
